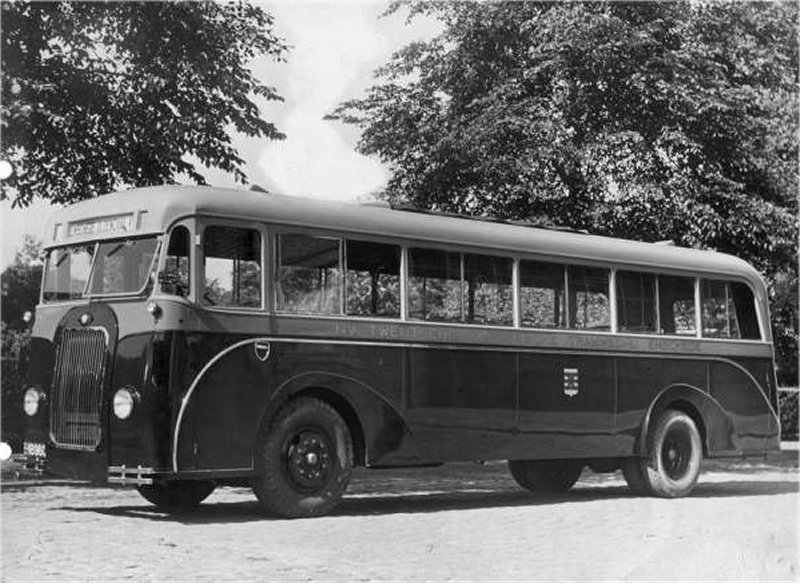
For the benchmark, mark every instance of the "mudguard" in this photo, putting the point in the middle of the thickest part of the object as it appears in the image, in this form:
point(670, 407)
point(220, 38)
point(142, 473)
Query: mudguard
point(716, 428)
point(382, 436)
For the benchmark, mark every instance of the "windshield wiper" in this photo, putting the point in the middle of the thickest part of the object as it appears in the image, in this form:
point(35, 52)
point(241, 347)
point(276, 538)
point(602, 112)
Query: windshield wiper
point(116, 249)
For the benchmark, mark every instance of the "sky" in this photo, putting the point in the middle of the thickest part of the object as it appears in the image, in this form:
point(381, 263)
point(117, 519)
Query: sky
point(335, 47)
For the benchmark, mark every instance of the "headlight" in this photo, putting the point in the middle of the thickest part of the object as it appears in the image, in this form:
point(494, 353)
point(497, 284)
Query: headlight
point(123, 403)
point(31, 402)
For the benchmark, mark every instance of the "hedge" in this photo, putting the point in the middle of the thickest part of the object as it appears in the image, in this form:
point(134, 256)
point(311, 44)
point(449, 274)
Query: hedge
point(787, 400)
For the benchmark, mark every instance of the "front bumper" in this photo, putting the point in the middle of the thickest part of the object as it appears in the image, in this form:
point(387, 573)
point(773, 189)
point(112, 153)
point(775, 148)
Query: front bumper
point(129, 475)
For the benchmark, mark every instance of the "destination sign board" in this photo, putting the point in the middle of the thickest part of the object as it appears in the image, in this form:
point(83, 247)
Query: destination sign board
point(97, 226)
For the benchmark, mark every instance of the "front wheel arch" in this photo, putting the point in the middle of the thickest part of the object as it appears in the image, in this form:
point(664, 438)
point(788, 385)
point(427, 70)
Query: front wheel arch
point(348, 414)
point(376, 425)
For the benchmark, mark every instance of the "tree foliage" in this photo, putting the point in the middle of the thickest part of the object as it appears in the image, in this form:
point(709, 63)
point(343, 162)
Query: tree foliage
point(20, 284)
point(649, 121)
point(20, 292)
point(100, 95)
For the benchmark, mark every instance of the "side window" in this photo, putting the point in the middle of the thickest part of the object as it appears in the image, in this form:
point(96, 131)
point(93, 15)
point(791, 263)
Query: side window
point(719, 315)
point(745, 306)
point(373, 279)
point(542, 295)
point(231, 267)
point(175, 277)
point(434, 285)
point(588, 298)
point(309, 278)
point(489, 296)
point(636, 302)
point(676, 305)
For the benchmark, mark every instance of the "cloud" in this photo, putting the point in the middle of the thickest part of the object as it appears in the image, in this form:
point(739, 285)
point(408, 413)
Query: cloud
point(335, 47)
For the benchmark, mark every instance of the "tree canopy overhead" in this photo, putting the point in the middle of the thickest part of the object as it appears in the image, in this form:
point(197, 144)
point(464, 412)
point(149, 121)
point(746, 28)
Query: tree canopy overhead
point(100, 95)
point(643, 120)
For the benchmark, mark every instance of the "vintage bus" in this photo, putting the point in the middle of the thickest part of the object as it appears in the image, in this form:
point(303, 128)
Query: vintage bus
point(192, 337)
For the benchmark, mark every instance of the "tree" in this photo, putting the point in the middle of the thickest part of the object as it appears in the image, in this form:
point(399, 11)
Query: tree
point(20, 284)
point(648, 121)
point(20, 292)
point(101, 95)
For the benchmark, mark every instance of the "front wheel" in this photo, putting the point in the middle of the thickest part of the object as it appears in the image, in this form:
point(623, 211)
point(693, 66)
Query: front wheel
point(304, 460)
point(176, 495)
point(554, 476)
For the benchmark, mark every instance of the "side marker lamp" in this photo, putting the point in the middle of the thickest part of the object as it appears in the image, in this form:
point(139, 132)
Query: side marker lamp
point(27, 317)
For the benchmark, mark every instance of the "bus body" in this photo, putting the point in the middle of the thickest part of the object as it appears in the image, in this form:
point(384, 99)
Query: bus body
point(189, 337)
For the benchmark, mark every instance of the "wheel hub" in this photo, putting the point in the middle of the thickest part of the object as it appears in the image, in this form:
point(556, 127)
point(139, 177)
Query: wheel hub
point(309, 459)
point(675, 454)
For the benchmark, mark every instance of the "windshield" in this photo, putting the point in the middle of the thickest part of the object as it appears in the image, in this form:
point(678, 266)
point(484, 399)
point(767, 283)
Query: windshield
point(66, 272)
point(108, 268)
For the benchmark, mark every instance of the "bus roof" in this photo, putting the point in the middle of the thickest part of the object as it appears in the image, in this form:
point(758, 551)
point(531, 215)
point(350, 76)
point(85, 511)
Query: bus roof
point(153, 209)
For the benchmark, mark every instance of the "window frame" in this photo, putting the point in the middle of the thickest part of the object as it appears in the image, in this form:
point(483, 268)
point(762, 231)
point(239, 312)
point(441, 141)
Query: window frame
point(275, 233)
point(655, 299)
point(345, 268)
point(730, 309)
point(202, 223)
point(424, 245)
point(273, 230)
point(189, 225)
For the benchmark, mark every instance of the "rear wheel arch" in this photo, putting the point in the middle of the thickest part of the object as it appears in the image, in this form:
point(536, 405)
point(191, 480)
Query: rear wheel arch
point(704, 411)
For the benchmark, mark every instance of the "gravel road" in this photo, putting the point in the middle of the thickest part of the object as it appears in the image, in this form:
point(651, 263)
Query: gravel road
point(458, 522)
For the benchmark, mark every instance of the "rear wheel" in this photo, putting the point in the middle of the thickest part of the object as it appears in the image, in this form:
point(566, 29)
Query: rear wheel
point(632, 470)
point(554, 476)
point(175, 495)
point(672, 466)
point(304, 460)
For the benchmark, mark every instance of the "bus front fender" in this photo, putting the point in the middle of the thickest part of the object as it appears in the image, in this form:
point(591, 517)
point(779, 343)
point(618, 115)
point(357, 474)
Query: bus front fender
point(379, 432)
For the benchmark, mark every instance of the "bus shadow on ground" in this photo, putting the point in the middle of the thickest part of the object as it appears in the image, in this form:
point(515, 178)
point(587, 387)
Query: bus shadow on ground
point(378, 504)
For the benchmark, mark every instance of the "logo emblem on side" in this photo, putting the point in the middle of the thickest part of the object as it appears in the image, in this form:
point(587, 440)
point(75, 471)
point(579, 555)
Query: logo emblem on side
point(570, 382)
point(262, 350)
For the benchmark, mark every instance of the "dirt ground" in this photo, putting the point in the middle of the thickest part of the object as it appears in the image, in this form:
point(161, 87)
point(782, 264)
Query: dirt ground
point(457, 522)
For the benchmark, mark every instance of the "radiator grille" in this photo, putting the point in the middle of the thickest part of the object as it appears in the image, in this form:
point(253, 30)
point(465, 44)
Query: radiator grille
point(77, 389)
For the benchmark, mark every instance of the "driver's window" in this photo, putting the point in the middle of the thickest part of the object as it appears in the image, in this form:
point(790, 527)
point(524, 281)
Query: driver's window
point(175, 277)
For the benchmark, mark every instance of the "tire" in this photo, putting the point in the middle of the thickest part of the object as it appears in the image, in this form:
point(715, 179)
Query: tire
point(304, 459)
point(632, 470)
point(552, 476)
point(674, 453)
point(176, 495)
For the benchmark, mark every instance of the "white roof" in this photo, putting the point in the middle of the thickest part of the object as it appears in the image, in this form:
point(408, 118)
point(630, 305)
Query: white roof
point(153, 209)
